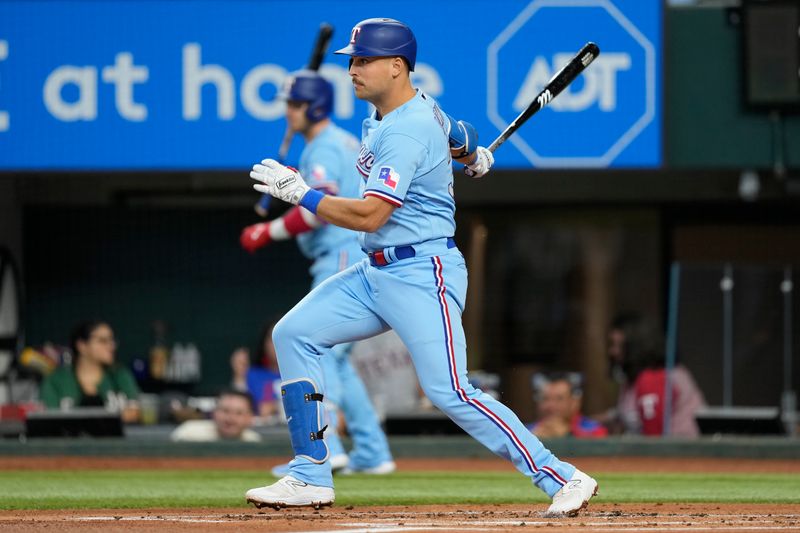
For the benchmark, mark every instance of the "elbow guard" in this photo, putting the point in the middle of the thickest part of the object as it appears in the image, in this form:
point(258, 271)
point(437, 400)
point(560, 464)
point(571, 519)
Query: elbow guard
point(298, 220)
point(463, 138)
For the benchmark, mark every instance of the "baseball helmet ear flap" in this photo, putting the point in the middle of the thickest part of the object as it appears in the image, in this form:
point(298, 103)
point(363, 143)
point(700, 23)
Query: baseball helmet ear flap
point(381, 37)
point(309, 86)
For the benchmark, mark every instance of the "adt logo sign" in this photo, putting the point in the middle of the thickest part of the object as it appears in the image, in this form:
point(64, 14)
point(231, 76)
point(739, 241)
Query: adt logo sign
point(609, 116)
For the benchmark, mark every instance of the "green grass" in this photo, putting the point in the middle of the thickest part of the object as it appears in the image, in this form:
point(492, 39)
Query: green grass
point(216, 488)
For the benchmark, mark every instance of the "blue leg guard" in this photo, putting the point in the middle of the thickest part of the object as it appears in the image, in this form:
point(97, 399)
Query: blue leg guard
point(305, 414)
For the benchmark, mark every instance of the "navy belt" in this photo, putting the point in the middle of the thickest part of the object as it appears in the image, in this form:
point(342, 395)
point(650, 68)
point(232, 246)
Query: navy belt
point(397, 253)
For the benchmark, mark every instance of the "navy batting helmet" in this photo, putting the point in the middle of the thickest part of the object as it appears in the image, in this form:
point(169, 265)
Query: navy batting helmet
point(309, 86)
point(382, 38)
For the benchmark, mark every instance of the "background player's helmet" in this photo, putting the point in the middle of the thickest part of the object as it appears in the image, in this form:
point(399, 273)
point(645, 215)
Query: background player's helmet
point(309, 86)
point(382, 38)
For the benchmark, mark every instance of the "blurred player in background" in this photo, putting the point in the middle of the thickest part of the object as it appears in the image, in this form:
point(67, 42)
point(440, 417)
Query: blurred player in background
point(414, 282)
point(327, 160)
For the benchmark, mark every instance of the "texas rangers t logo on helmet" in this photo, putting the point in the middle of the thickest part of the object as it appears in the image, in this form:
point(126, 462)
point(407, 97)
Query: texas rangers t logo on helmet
point(389, 177)
point(354, 34)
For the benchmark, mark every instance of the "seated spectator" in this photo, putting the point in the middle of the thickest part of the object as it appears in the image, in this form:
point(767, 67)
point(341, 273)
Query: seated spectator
point(240, 366)
point(233, 416)
point(258, 375)
point(687, 399)
point(92, 380)
point(559, 402)
point(637, 356)
point(627, 332)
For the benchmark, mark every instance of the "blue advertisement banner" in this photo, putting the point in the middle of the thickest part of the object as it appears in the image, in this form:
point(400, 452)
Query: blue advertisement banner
point(193, 85)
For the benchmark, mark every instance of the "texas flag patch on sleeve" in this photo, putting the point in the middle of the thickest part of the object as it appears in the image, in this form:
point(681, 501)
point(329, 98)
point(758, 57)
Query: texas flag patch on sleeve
point(389, 177)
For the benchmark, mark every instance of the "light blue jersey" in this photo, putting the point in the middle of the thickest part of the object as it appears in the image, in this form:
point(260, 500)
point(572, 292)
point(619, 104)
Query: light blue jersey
point(327, 164)
point(414, 282)
point(414, 173)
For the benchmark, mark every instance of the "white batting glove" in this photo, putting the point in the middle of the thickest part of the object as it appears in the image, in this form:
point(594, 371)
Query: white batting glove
point(484, 159)
point(282, 182)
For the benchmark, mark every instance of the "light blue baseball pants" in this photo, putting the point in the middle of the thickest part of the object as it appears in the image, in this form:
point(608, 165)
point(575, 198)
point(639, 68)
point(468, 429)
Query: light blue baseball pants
point(422, 299)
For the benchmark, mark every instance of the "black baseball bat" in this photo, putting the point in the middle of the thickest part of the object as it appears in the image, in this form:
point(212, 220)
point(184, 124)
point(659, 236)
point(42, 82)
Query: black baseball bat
point(315, 61)
point(557, 83)
point(320, 46)
point(324, 36)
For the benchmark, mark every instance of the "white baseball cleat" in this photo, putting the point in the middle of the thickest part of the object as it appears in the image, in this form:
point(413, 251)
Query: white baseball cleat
point(573, 496)
point(386, 467)
point(290, 492)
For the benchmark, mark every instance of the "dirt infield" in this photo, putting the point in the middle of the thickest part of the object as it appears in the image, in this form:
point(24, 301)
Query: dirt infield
point(603, 517)
point(600, 517)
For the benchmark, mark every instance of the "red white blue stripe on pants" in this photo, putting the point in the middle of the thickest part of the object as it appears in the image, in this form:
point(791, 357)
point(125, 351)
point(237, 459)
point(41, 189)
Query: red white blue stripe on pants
point(441, 291)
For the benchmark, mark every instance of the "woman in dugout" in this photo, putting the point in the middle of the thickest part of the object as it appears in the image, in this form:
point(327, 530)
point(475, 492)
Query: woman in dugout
point(93, 380)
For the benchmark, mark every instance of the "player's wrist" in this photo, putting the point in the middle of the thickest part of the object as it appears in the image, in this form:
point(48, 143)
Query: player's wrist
point(468, 159)
point(311, 200)
point(482, 164)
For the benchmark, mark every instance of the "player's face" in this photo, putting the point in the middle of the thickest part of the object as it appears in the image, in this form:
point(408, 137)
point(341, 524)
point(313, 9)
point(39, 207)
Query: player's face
point(296, 115)
point(371, 76)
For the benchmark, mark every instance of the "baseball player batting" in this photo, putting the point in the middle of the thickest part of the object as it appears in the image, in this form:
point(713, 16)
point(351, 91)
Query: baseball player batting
point(327, 161)
point(414, 280)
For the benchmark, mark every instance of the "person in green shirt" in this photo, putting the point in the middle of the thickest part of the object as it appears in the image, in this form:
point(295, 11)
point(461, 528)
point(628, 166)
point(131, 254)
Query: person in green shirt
point(92, 380)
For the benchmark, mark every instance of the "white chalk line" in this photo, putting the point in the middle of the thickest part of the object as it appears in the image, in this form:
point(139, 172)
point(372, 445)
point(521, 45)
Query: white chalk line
point(474, 523)
point(189, 519)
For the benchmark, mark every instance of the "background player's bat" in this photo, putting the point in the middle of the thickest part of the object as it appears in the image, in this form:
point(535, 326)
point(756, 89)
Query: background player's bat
point(315, 61)
point(320, 46)
point(557, 83)
point(317, 55)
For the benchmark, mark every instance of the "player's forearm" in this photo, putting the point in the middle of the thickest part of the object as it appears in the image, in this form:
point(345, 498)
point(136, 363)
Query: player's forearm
point(352, 213)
